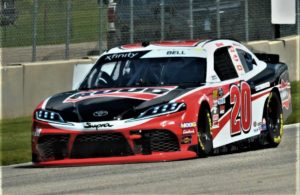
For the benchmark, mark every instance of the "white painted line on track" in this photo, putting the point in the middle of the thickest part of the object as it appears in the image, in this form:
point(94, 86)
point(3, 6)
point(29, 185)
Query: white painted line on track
point(1, 190)
point(297, 163)
point(295, 125)
point(20, 164)
point(297, 160)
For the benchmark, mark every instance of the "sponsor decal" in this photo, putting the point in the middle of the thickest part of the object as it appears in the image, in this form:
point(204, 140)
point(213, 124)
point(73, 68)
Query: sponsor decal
point(263, 125)
point(220, 92)
point(215, 124)
point(101, 125)
point(256, 129)
point(285, 94)
point(186, 139)
point(254, 123)
point(241, 113)
point(240, 67)
point(283, 84)
point(118, 56)
point(100, 113)
point(137, 93)
point(198, 49)
point(235, 59)
point(214, 109)
point(97, 126)
point(174, 52)
point(219, 44)
point(215, 94)
point(262, 86)
point(221, 101)
point(222, 109)
point(286, 103)
point(122, 56)
point(215, 117)
point(37, 132)
point(188, 131)
point(188, 125)
point(214, 77)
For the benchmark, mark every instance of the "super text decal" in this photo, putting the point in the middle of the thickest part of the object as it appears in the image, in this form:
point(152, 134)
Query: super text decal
point(135, 93)
point(97, 126)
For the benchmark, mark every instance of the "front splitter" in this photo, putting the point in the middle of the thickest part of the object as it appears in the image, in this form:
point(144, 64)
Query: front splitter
point(156, 157)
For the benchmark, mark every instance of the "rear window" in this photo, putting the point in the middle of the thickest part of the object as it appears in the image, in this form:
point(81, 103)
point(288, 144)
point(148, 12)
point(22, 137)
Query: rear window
point(246, 59)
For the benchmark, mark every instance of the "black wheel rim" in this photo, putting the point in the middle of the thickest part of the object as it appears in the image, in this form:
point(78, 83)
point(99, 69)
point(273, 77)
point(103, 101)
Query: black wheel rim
point(274, 120)
point(204, 135)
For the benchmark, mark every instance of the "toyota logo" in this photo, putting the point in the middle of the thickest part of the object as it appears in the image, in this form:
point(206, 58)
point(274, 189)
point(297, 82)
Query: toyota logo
point(100, 113)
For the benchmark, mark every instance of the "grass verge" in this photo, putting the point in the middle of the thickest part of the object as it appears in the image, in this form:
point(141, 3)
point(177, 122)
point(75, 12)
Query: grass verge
point(15, 133)
point(15, 141)
point(295, 116)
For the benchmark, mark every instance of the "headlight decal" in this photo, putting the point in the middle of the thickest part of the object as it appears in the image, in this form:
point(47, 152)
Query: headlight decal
point(46, 115)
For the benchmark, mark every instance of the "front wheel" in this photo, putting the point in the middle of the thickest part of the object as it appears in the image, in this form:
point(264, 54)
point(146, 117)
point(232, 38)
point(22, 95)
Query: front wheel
point(274, 119)
point(205, 144)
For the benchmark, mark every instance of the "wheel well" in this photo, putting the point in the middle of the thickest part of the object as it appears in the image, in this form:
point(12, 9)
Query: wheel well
point(204, 105)
point(276, 91)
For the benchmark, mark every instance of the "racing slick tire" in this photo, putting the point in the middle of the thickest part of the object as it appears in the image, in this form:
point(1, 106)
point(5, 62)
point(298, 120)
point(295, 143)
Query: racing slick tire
point(274, 119)
point(205, 144)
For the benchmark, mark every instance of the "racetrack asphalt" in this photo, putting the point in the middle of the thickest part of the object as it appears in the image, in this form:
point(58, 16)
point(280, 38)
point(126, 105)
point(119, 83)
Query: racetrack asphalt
point(262, 171)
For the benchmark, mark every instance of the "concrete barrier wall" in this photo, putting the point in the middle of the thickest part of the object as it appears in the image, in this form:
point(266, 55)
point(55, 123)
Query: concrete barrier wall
point(288, 48)
point(259, 46)
point(11, 94)
point(23, 86)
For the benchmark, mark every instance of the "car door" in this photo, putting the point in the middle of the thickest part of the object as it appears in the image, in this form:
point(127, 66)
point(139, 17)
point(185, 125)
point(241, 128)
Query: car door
point(234, 107)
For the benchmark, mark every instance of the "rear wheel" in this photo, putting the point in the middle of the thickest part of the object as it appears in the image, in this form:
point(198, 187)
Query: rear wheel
point(205, 144)
point(274, 119)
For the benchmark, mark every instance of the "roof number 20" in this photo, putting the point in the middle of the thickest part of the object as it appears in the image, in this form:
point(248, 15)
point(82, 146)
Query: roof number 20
point(241, 112)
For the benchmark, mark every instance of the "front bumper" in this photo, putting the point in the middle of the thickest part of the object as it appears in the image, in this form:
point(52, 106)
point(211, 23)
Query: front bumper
point(158, 139)
point(167, 156)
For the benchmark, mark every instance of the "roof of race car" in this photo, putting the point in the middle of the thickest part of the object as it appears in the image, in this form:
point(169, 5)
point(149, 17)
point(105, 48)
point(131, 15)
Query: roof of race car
point(194, 47)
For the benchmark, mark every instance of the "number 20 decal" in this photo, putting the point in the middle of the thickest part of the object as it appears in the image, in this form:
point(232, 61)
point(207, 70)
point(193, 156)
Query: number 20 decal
point(241, 101)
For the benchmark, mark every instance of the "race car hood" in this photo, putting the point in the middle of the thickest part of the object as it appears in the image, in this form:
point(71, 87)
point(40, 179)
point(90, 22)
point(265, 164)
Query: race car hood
point(110, 104)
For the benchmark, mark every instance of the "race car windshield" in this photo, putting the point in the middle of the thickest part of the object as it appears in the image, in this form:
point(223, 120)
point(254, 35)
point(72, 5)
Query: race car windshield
point(147, 72)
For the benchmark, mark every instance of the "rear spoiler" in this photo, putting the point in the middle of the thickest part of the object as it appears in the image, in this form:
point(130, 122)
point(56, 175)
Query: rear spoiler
point(269, 58)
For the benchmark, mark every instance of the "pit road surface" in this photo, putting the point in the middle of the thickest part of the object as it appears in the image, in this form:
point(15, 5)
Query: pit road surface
point(263, 171)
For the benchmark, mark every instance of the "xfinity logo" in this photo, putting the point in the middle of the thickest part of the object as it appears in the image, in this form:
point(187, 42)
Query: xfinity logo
point(97, 126)
point(100, 113)
point(120, 56)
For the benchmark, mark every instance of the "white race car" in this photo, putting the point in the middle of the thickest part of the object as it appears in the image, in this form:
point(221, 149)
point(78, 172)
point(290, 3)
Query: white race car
point(163, 101)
